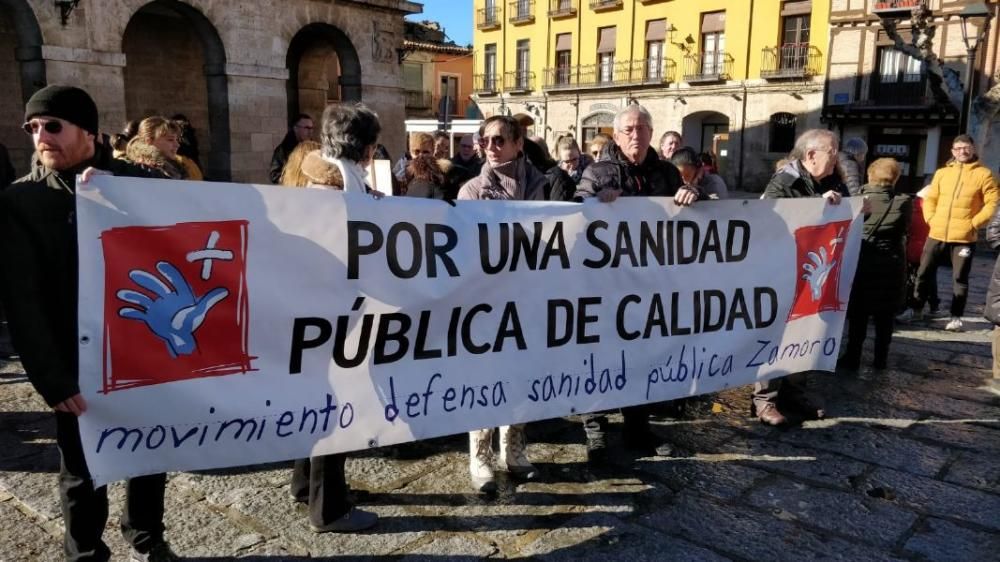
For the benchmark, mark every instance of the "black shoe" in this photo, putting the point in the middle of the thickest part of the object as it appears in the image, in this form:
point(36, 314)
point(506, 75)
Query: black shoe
point(879, 363)
point(159, 553)
point(352, 521)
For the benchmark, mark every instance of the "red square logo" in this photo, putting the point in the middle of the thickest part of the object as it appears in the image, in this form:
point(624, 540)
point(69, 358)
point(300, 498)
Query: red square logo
point(820, 252)
point(175, 303)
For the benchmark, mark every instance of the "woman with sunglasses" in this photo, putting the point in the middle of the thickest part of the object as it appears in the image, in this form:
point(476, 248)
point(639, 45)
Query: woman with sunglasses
point(508, 176)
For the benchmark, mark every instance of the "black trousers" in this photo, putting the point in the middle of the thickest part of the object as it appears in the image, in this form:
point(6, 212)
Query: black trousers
point(636, 418)
point(323, 483)
point(935, 253)
point(85, 508)
point(857, 331)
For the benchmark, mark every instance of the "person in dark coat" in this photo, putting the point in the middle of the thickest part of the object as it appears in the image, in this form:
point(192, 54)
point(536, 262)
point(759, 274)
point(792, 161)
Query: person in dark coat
point(850, 162)
point(38, 227)
point(7, 173)
point(630, 167)
point(466, 157)
point(805, 175)
point(300, 129)
point(880, 281)
point(992, 308)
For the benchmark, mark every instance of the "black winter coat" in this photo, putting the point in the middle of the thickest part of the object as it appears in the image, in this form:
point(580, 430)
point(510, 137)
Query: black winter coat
point(880, 281)
point(794, 181)
point(992, 309)
point(651, 177)
point(38, 227)
point(280, 156)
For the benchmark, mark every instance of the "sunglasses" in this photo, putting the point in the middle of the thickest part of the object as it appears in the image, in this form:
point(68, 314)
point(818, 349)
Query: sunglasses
point(51, 127)
point(497, 141)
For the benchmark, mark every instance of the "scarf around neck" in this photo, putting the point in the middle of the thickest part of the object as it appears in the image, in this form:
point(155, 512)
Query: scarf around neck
point(355, 177)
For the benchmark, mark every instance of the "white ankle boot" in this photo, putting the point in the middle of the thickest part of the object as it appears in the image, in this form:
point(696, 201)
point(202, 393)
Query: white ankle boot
point(513, 452)
point(481, 460)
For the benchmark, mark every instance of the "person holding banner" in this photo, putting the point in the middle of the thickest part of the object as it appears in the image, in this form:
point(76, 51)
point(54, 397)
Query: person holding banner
point(38, 228)
point(349, 137)
point(630, 167)
point(813, 160)
point(506, 175)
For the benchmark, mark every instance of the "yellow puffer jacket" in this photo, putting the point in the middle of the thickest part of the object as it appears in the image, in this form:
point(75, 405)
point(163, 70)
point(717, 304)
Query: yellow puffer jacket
point(961, 199)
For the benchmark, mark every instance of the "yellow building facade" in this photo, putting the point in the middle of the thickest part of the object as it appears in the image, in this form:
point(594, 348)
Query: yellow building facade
point(738, 78)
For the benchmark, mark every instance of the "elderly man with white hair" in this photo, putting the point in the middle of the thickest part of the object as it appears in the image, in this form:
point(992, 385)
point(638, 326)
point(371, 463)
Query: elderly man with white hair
point(808, 174)
point(631, 167)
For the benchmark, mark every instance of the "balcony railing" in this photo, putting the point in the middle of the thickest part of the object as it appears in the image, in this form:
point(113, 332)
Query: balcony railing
point(622, 73)
point(485, 84)
point(707, 67)
point(895, 8)
point(911, 90)
point(793, 60)
point(562, 8)
point(519, 81)
point(417, 99)
point(488, 18)
point(522, 11)
point(453, 108)
point(598, 5)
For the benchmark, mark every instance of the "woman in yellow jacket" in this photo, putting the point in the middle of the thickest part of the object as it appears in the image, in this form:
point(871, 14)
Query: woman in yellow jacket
point(961, 199)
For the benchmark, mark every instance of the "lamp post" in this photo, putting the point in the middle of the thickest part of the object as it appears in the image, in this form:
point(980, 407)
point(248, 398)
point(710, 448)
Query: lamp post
point(975, 22)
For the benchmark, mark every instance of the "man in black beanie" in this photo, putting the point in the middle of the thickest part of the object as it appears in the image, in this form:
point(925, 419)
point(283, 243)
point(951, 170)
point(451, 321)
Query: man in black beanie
point(38, 229)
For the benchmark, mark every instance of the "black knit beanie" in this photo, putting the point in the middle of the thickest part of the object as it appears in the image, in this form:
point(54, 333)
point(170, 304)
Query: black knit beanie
point(65, 102)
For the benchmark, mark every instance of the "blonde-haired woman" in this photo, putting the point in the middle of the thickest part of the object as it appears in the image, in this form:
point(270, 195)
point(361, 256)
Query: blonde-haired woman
point(879, 283)
point(292, 174)
point(155, 146)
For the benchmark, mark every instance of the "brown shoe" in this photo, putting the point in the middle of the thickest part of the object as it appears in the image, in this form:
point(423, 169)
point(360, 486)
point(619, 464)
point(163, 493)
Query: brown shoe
point(770, 415)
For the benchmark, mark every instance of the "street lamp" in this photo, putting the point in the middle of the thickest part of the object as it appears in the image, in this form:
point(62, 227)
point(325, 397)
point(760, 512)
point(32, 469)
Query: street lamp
point(975, 22)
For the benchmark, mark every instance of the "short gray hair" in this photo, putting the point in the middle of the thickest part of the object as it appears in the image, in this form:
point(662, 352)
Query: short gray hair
point(633, 109)
point(812, 140)
point(348, 130)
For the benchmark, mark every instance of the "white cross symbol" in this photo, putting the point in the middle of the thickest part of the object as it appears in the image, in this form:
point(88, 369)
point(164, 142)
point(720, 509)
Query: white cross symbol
point(208, 255)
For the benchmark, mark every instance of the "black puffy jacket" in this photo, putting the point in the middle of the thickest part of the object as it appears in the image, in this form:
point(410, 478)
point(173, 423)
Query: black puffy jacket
point(651, 177)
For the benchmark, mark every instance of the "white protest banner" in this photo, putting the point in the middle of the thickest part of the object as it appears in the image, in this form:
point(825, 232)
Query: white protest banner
point(225, 324)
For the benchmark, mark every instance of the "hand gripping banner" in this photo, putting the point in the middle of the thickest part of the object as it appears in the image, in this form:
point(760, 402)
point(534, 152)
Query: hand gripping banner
point(225, 324)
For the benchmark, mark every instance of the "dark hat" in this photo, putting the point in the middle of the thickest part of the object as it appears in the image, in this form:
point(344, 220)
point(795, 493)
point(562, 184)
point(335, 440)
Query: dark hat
point(65, 102)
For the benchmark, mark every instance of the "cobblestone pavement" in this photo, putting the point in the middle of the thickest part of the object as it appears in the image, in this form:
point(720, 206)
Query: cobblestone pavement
point(907, 468)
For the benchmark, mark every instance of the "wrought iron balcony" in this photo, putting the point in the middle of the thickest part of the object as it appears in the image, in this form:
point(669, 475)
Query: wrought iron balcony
point(562, 8)
point(488, 18)
point(910, 90)
point(623, 73)
point(789, 61)
point(895, 8)
point(519, 81)
point(700, 68)
point(418, 99)
point(598, 5)
point(522, 11)
point(485, 84)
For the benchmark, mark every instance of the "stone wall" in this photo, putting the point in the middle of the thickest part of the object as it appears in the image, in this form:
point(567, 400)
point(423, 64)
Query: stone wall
point(236, 93)
point(11, 109)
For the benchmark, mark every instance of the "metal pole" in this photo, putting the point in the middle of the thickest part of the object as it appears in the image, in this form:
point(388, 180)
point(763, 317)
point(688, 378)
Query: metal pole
point(970, 74)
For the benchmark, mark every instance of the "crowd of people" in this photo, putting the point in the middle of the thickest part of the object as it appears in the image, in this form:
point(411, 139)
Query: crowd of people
point(500, 162)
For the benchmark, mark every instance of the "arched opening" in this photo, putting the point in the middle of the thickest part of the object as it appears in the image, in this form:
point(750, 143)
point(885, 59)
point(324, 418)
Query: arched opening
point(22, 70)
point(175, 63)
point(323, 68)
point(594, 124)
point(708, 131)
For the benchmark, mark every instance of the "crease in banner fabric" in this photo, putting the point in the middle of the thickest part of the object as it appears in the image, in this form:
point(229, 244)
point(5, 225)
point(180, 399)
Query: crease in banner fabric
point(225, 324)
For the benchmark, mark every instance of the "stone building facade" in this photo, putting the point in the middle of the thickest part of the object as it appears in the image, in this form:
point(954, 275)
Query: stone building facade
point(737, 79)
point(238, 70)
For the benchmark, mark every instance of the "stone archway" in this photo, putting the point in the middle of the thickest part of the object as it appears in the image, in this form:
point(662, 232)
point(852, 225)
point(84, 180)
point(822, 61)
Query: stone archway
point(601, 122)
point(701, 129)
point(22, 70)
point(176, 63)
point(323, 68)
